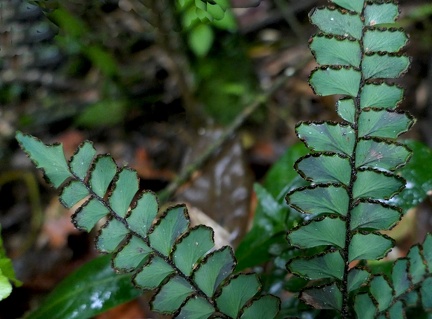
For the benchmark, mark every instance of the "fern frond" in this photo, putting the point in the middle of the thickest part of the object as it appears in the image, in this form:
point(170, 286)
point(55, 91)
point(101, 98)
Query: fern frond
point(351, 167)
point(190, 278)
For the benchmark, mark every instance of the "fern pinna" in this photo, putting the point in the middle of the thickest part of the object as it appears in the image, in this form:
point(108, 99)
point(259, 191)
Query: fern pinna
point(351, 168)
point(191, 278)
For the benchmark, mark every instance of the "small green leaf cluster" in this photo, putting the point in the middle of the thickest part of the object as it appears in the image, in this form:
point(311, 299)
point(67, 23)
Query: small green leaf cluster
point(352, 166)
point(197, 18)
point(191, 278)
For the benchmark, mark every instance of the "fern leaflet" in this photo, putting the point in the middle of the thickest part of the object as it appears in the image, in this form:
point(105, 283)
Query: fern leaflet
point(191, 278)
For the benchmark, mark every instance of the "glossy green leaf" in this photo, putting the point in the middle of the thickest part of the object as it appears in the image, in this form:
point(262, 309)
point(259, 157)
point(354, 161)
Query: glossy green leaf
point(87, 215)
point(326, 297)
point(374, 215)
point(336, 22)
point(82, 159)
point(111, 235)
point(326, 231)
point(328, 80)
point(214, 269)
point(381, 291)
point(356, 278)
point(364, 307)
point(376, 185)
point(319, 200)
point(236, 293)
point(132, 253)
point(384, 123)
point(378, 154)
point(172, 294)
point(125, 188)
point(335, 51)
point(418, 176)
point(90, 290)
point(152, 273)
point(384, 66)
point(195, 308)
point(329, 265)
point(325, 168)
point(49, 158)
point(380, 13)
point(381, 95)
point(346, 109)
point(274, 211)
point(72, 193)
point(142, 215)
point(190, 248)
point(268, 229)
point(103, 171)
point(401, 281)
point(353, 5)
point(265, 307)
point(369, 246)
point(388, 40)
point(168, 228)
point(282, 172)
point(327, 137)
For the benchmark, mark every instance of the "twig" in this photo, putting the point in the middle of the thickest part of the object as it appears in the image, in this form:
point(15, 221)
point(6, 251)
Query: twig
point(185, 175)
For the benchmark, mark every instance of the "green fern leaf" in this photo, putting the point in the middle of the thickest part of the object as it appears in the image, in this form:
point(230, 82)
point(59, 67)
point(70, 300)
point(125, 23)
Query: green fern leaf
point(380, 95)
point(324, 168)
point(351, 167)
point(353, 5)
point(408, 286)
point(161, 251)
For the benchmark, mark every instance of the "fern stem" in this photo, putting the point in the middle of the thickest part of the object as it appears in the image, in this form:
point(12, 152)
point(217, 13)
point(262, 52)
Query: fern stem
point(345, 310)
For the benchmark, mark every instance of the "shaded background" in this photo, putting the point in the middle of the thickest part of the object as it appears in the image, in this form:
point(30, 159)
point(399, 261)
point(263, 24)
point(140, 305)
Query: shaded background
point(156, 93)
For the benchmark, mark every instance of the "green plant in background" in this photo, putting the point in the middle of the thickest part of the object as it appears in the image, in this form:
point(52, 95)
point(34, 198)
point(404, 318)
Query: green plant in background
point(7, 273)
point(197, 18)
point(211, 24)
point(347, 197)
